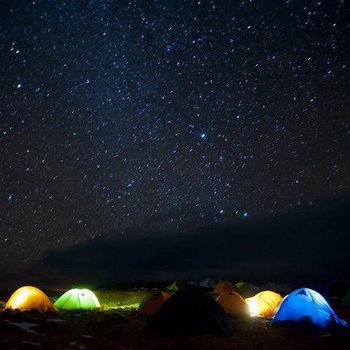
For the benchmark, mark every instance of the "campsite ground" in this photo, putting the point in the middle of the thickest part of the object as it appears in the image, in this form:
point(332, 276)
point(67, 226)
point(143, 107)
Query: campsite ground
point(119, 327)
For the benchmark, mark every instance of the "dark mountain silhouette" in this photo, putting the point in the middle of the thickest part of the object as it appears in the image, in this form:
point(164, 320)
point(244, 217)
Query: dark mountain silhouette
point(309, 245)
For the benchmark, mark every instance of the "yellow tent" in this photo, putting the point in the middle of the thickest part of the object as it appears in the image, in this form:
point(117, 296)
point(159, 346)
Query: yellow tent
point(233, 303)
point(264, 303)
point(151, 304)
point(29, 298)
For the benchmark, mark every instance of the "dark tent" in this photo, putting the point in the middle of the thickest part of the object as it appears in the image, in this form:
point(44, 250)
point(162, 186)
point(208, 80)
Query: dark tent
point(346, 299)
point(192, 312)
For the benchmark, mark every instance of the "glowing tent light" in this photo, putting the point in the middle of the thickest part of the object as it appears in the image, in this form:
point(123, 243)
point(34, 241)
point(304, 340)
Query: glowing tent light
point(264, 303)
point(78, 299)
point(29, 298)
point(253, 306)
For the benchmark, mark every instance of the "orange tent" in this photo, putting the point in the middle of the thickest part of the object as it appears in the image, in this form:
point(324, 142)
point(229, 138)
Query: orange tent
point(151, 304)
point(29, 298)
point(233, 303)
point(224, 287)
point(264, 303)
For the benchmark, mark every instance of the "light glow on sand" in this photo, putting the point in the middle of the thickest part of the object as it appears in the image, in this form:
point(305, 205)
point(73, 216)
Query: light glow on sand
point(122, 307)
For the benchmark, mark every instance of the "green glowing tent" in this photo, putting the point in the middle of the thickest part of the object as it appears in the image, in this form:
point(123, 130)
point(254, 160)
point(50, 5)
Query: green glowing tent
point(78, 299)
point(173, 287)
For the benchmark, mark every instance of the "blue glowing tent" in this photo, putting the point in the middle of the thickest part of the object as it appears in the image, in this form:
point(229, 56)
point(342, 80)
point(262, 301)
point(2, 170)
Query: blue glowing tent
point(306, 305)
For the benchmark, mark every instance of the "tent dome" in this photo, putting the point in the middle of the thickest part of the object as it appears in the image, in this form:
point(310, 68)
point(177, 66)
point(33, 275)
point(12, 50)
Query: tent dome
point(233, 303)
point(192, 312)
point(307, 305)
point(29, 298)
point(224, 287)
point(264, 303)
point(152, 303)
point(78, 299)
point(173, 287)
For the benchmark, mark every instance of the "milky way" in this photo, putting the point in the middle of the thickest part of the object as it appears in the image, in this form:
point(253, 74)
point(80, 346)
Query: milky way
point(166, 115)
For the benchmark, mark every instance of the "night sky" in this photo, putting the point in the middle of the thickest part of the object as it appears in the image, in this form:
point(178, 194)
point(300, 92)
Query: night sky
point(121, 120)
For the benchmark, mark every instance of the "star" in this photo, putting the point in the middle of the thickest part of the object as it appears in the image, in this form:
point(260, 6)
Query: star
point(166, 117)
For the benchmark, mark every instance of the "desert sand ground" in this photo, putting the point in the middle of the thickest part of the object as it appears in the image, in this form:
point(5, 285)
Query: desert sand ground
point(118, 328)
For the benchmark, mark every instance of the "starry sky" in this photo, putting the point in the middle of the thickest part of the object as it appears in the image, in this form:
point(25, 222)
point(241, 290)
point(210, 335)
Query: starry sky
point(166, 116)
